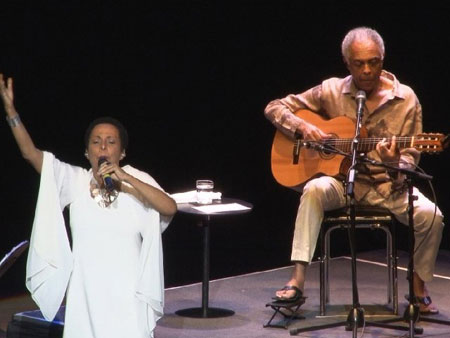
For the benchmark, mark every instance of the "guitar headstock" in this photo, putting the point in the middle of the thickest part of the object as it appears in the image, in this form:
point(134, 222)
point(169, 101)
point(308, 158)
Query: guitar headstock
point(431, 142)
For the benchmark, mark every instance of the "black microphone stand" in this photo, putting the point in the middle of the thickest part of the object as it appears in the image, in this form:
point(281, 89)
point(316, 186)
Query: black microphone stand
point(355, 317)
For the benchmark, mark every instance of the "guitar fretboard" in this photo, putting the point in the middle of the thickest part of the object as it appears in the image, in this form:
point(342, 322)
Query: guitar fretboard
point(367, 144)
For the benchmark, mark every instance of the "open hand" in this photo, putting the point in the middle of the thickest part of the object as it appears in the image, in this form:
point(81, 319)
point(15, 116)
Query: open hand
point(6, 93)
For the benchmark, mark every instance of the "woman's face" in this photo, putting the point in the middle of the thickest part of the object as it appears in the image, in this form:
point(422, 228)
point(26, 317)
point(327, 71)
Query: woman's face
point(104, 141)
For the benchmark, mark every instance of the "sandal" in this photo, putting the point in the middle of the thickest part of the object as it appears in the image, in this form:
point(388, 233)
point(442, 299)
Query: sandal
point(297, 295)
point(424, 305)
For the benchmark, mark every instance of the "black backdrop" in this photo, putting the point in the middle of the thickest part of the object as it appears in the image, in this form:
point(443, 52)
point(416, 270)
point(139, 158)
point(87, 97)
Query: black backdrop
point(190, 80)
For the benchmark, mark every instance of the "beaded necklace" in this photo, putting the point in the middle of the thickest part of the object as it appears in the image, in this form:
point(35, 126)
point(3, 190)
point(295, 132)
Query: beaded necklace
point(103, 197)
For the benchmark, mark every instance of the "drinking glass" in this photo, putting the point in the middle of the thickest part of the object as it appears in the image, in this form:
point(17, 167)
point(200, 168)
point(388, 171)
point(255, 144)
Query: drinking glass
point(204, 191)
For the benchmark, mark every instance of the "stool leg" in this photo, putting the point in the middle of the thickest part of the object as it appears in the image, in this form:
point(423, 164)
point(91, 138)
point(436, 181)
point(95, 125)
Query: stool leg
point(327, 264)
point(322, 272)
point(394, 269)
point(389, 265)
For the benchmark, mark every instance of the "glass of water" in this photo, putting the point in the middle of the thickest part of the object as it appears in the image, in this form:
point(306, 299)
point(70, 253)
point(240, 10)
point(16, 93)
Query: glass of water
point(204, 191)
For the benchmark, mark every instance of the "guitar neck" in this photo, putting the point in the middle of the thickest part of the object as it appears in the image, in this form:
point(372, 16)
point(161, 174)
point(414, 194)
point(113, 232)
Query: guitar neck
point(369, 143)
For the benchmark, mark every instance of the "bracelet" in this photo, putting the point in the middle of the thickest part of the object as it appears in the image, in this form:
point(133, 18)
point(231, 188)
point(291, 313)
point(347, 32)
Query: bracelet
point(13, 121)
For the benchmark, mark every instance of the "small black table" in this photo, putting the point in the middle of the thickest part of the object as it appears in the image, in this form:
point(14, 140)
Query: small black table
point(205, 218)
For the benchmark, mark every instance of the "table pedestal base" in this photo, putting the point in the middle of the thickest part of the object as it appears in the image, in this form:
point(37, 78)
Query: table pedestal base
point(210, 312)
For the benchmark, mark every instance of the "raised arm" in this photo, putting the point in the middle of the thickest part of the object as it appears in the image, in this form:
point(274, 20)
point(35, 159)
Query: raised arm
point(23, 139)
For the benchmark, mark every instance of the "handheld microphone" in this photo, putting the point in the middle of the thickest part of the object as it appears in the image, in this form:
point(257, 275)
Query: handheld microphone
point(107, 179)
point(360, 101)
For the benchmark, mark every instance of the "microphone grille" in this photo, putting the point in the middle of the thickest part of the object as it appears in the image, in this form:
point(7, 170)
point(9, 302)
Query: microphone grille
point(101, 160)
point(360, 95)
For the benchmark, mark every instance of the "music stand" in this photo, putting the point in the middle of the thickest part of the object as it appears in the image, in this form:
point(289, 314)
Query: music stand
point(11, 257)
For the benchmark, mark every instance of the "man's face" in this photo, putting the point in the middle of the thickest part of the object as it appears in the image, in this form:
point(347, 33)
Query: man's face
point(365, 63)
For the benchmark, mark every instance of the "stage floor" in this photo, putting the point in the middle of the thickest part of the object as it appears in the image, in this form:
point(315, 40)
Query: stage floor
point(247, 296)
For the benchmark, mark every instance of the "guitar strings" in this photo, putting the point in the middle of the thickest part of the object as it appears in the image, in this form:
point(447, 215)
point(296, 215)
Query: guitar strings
point(370, 143)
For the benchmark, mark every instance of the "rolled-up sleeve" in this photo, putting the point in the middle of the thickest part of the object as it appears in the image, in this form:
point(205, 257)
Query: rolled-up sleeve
point(280, 112)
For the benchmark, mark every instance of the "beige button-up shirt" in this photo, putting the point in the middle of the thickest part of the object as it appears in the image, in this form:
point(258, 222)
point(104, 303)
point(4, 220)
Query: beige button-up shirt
point(399, 113)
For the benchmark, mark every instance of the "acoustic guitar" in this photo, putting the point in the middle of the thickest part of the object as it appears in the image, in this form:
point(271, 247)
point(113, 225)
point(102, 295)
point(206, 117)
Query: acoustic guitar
point(295, 162)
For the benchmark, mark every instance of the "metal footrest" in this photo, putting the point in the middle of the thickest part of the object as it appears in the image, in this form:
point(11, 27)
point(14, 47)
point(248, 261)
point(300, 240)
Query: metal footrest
point(289, 311)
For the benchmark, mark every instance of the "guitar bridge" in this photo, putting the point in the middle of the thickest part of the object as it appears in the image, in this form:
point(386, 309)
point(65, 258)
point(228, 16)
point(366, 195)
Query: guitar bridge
point(296, 151)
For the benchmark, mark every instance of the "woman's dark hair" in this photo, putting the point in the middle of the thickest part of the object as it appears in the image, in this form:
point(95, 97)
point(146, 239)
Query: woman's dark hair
point(123, 134)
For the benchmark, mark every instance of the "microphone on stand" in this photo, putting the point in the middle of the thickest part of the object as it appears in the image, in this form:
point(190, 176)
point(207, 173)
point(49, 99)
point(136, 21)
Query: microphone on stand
point(360, 98)
point(107, 179)
point(360, 101)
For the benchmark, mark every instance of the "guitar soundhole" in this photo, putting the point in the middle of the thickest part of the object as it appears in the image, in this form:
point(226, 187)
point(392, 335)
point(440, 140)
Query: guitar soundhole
point(329, 143)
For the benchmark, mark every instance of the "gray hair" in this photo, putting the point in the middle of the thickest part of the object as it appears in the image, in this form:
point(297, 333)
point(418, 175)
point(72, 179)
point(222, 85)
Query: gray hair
point(361, 33)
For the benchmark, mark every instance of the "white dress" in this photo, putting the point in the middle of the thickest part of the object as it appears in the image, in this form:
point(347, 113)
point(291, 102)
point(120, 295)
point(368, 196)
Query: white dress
point(114, 271)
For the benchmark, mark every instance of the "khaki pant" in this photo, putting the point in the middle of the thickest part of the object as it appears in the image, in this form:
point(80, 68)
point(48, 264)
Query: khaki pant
point(326, 193)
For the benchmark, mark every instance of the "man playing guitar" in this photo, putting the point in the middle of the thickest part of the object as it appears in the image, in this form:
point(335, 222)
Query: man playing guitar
point(392, 111)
